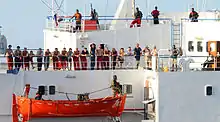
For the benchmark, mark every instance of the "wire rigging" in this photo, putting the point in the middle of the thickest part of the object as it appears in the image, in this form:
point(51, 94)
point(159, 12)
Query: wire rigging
point(66, 93)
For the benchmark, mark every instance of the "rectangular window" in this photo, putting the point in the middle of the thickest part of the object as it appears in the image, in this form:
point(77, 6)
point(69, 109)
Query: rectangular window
point(127, 88)
point(190, 46)
point(199, 46)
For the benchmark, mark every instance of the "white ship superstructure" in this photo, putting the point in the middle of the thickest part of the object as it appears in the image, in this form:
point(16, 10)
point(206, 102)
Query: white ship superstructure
point(152, 95)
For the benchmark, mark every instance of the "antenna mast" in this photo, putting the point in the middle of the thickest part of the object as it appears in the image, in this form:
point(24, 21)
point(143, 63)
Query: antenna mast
point(133, 7)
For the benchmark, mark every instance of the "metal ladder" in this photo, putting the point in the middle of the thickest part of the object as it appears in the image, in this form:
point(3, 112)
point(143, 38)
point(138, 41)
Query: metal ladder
point(176, 34)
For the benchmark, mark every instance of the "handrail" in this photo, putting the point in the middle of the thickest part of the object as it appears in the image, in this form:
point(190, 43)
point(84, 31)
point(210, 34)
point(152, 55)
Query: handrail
point(201, 19)
point(120, 19)
point(71, 16)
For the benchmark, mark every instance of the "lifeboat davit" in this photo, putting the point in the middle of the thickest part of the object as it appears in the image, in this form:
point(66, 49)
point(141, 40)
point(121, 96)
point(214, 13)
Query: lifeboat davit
point(30, 108)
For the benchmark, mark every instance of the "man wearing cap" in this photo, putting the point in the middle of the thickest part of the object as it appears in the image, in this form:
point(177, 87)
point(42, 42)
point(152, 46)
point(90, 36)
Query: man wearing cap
point(17, 61)
point(9, 54)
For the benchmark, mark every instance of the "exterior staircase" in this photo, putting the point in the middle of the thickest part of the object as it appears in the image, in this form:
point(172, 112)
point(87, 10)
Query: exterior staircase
point(176, 34)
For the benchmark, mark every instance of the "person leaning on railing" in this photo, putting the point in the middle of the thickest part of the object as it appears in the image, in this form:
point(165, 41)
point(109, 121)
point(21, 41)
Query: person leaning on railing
point(47, 56)
point(17, 59)
point(69, 56)
point(63, 59)
point(121, 57)
point(39, 55)
point(174, 54)
point(106, 59)
point(137, 54)
point(147, 57)
point(92, 55)
point(25, 59)
point(154, 53)
point(31, 55)
point(76, 60)
point(9, 54)
point(99, 54)
point(83, 58)
point(56, 53)
point(114, 56)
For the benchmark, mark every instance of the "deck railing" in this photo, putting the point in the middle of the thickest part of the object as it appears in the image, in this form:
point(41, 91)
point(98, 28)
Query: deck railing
point(163, 63)
point(129, 62)
point(167, 63)
point(105, 23)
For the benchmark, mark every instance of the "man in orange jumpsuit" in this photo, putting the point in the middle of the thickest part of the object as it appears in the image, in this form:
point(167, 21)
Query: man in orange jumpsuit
point(76, 63)
point(9, 54)
point(78, 17)
point(83, 58)
point(138, 16)
point(56, 53)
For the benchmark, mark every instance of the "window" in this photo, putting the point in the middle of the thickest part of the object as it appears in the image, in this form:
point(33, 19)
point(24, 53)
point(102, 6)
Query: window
point(127, 88)
point(190, 46)
point(199, 46)
point(213, 47)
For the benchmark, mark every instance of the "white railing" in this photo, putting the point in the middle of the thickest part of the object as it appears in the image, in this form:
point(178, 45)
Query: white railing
point(188, 63)
point(128, 63)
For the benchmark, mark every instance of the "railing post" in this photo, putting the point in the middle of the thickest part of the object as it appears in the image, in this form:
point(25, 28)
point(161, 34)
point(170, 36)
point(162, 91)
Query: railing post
point(154, 63)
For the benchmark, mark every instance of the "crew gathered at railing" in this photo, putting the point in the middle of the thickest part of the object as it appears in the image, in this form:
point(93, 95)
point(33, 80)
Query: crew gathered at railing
point(101, 58)
point(138, 15)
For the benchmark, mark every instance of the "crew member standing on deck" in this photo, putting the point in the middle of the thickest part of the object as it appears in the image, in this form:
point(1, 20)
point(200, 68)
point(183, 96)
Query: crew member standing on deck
point(56, 53)
point(17, 54)
point(47, 56)
point(9, 54)
point(63, 59)
point(83, 58)
point(78, 18)
point(25, 59)
point(99, 53)
point(106, 58)
point(39, 55)
point(155, 13)
point(116, 88)
point(31, 55)
point(69, 58)
point(76, 63)
point(92, 55)
point(138, 16)
point(193, 16)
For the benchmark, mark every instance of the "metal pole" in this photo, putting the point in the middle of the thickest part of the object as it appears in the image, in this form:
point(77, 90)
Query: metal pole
point(145, 105)
point(52, 12)
point(133, 7)
point(197, 5)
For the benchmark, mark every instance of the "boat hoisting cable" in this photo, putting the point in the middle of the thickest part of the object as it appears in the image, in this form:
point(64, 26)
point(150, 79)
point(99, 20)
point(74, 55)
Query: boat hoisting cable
point(75, 93)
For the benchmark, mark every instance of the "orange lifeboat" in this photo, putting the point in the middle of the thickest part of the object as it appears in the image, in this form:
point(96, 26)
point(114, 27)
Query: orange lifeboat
point(30, 108)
